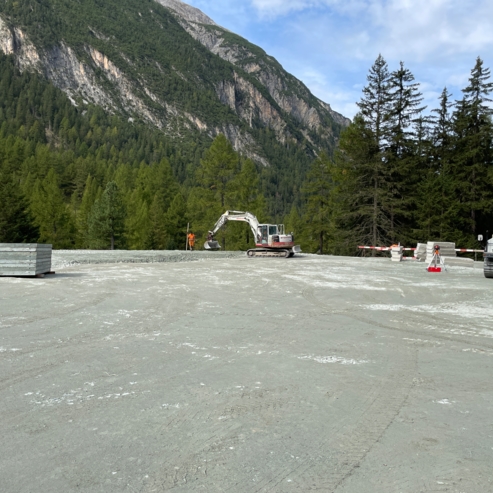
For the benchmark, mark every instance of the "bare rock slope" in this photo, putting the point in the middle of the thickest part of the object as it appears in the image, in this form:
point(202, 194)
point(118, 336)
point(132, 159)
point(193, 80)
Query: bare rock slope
point(236, 92)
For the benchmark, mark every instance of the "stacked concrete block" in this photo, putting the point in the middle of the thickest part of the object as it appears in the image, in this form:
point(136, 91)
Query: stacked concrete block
point(396, 253)
point(24, 259)
point(421, 252)
point(446, 249)
point(488, 260)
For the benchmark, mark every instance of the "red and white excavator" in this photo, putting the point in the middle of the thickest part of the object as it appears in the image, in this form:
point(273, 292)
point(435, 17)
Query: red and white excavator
point(270, 239)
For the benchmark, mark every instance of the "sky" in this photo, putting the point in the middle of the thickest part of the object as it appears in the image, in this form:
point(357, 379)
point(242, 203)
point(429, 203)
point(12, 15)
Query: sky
point(331, 44)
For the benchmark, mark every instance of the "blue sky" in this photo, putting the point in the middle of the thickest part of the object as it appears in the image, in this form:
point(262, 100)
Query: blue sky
point(331, 44)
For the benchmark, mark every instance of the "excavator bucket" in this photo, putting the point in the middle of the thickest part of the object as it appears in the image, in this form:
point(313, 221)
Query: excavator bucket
point(212, 245)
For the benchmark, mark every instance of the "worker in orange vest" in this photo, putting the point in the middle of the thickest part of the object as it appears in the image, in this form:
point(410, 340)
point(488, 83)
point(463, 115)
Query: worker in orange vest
point(191, 240)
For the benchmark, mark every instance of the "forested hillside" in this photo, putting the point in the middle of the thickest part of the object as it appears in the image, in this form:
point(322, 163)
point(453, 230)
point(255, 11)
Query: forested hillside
point(123, 122)
point(79, 178)
point(64, 172)
point(136, 59)
point(403, 174)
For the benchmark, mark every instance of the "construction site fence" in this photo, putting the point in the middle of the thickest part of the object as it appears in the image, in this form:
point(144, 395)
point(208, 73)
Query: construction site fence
point(388, 249)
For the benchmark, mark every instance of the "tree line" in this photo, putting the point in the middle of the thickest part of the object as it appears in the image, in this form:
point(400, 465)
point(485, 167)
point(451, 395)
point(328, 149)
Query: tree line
point(398, 175)
point(139, 208)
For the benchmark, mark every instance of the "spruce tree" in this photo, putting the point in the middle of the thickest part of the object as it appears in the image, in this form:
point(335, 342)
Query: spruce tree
point(218, 168)
point(88, 198)
point(361, 216)
point(403, 156)
point(245, 196)
point(158, 236)
point(175, 222)
point(16, 223)
point(203, 210)
point(107, 219)
point(474, 151)
point(216, 174)
point(137, 223)
point(318, 189)
point(375, 105)
point(366, 185)
point(405, 108)
point(295, 224)
point(51, 213)
point(437, 205)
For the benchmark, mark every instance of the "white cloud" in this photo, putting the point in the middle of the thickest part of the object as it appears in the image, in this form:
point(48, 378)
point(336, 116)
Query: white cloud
point(275, 8)
point(434, 27)
point(399, 27)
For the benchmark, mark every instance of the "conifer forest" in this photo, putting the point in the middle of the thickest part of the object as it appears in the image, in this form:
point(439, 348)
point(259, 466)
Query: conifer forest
point(83, 178)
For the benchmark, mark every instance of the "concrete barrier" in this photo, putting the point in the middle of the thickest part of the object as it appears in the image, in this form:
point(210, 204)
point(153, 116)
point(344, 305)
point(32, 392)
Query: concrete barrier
point(25, 259)
point(421, 252)
point(396, 253)
point(447, 249)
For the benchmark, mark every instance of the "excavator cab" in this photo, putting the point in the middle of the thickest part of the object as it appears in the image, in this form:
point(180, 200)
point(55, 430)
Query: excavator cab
point(264, 234)
point(269, 234)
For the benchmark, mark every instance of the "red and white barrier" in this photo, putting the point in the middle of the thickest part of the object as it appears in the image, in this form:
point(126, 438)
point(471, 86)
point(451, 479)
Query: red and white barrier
point(384, 249)
point(387, 249)
point(380, 249)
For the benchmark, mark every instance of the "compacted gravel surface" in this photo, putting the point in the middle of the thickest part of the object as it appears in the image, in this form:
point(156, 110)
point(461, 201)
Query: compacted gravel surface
point(210, 371)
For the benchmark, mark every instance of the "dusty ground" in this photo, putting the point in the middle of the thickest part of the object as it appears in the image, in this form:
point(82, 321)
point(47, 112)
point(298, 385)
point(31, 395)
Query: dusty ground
point(246, 375)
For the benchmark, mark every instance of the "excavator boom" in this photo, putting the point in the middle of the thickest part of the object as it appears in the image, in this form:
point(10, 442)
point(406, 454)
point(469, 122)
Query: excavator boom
point(248, 217)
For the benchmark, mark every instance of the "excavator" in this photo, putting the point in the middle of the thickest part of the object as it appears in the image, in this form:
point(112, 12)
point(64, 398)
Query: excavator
point(270, 239)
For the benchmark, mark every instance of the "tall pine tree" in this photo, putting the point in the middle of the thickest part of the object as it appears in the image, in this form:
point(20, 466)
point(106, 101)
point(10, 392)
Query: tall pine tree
point(366, 181)
point(473, 157)
point(16, 223)
point(51, 213)
point(402, 156)
point(106, 222)
point(319, 215)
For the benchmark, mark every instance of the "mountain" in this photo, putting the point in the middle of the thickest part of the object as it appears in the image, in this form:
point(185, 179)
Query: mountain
point(167, 65)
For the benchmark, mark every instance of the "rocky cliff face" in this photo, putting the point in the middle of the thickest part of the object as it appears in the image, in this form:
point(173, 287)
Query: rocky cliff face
point(214, 38)
point(257, 91)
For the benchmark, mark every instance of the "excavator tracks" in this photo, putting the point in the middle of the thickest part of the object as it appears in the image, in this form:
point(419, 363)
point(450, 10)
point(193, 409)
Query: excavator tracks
point(261, 252)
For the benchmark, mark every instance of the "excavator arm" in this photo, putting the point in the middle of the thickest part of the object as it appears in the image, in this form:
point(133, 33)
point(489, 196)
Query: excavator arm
point(247, 217)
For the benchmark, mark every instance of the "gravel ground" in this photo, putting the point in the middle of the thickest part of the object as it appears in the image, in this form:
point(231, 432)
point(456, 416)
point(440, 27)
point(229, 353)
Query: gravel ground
point(230, 374)
point(66, 258)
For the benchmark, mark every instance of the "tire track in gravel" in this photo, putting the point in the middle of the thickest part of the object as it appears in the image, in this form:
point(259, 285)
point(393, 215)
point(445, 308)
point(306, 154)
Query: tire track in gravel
point(71, 347)
point(356, 440)
point(350, 440)
point(309, 295)
point(225, 425)
point(59, 312)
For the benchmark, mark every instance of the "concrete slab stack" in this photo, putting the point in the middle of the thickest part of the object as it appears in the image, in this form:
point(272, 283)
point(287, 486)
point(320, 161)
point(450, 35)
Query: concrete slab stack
point(24, 259)
point(421, 252)
point(488, 259)
point(447, 249)
point(396, 253)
